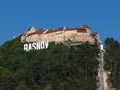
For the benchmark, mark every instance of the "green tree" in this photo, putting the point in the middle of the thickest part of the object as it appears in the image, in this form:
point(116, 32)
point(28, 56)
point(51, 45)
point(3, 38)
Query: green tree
point(56, 68)
point(112, 61)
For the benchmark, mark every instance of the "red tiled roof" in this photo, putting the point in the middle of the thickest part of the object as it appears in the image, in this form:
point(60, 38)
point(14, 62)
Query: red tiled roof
point(37, 32)
point(86, 26)
point(79, 29)
point(83, 27)
point(94, 33)
point(69, 29)
point(54, 30)
point(41, 31)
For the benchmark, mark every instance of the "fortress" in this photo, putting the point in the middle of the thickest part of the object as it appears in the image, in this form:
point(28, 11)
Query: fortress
point(61, 34)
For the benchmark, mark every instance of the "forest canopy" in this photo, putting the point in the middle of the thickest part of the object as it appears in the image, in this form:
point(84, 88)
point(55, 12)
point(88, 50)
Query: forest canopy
point(112, 61)
point(56, 68)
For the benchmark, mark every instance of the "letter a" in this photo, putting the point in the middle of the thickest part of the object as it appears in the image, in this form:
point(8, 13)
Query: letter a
point(25, 47)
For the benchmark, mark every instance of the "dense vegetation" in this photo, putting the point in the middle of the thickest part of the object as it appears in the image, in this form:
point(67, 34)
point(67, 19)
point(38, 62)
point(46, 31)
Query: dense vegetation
point(56, 68)
point(112, 61)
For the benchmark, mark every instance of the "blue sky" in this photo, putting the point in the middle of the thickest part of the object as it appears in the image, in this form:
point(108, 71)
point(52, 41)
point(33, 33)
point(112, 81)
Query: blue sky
point(16, 16)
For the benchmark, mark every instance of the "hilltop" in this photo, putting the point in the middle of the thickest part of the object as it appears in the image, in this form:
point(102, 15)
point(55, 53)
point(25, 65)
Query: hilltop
point(56, 68)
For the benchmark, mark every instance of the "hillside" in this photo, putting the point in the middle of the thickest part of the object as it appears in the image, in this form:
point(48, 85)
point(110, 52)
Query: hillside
point(112, 61)
point(56, 68)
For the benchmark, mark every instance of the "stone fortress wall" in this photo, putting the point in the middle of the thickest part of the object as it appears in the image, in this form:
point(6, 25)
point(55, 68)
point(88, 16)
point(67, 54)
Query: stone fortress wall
point(61, 34)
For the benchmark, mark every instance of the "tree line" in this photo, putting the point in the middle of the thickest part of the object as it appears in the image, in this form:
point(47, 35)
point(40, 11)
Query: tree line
point(112, 61)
